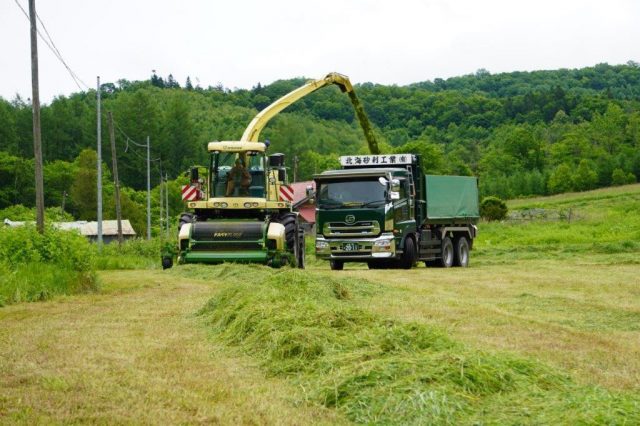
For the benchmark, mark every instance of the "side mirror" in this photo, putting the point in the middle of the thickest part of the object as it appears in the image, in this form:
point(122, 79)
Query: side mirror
point(282, 175)
point(194, 175)
point(276, 160)
point(395, 185)
point(309, 191)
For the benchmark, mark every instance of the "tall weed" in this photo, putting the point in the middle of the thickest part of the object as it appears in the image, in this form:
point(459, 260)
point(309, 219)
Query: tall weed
point(36, 266)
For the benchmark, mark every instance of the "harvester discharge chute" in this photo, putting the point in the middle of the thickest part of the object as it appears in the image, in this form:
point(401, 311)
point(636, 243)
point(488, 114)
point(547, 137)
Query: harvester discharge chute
point(241, 212)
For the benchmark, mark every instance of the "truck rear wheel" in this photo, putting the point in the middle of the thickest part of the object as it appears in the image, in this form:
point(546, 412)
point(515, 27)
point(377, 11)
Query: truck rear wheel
point(446, 258)
point(461, 257)
point(336, 265)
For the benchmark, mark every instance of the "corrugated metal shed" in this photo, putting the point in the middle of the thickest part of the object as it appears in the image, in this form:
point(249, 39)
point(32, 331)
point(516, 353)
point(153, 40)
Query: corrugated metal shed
point(88, 229)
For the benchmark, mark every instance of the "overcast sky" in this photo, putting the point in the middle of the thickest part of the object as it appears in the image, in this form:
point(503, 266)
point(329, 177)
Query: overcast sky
point(240, 43)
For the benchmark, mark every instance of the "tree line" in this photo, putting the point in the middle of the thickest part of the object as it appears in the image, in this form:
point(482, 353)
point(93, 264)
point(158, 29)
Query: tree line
point(522, 133)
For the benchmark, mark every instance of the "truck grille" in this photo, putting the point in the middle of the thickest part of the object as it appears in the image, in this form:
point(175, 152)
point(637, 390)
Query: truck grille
point(369, 228)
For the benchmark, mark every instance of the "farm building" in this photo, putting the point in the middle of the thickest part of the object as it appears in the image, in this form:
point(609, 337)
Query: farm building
point(307, 210)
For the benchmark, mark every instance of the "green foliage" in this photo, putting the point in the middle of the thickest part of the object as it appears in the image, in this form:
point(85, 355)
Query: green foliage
point(493, 208)
point(132, 254)
point(37, 266)
point(308, 329)
point(619, 177)
point(585, 177)
point(517, 131)
point(432, 155)
point(20, 213)
point(561, 179)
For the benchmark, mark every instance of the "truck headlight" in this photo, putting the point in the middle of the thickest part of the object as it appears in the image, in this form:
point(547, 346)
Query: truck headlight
point(322, 245)
point(382, 245)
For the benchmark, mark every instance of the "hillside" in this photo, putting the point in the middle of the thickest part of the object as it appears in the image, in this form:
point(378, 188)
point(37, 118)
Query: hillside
point(522, 133)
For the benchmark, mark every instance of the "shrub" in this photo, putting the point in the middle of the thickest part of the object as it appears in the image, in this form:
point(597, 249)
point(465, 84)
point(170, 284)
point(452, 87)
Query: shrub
point(37, 266)
point(493, 208)
point(132, 254)
point(619, 177)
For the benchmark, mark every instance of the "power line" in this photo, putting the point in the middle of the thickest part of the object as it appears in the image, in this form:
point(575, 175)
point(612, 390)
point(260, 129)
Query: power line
point(51, 45)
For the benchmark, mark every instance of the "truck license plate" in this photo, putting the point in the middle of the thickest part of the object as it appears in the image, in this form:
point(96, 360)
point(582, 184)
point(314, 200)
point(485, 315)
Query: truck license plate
point(350, 247)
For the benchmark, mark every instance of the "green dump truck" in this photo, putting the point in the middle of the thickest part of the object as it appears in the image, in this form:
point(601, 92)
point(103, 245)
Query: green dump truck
point(382, 210)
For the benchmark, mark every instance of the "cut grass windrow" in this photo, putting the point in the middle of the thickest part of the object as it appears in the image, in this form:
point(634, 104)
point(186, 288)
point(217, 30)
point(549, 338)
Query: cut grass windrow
point(306, 327)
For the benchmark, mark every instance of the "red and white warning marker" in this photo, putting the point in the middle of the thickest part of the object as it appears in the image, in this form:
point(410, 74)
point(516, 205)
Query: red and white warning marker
point(190, 193)
point(286, 193)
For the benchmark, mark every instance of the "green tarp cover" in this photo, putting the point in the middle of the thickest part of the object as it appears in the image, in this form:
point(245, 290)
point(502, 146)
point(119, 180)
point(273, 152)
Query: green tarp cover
point(451, 197)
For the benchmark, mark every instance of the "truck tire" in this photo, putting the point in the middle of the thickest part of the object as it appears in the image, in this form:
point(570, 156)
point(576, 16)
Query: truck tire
point(376, 264)
point(461, 255)
point(446, 253)
point(408, 255)
point(185, 218)
point(301, 249)
point(336, 265)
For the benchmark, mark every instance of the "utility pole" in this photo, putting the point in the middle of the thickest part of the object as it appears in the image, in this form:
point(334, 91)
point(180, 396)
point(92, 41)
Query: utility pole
point(37, 136)
point(99, 167)
point(64, 199)
point(148, 189)
point(295, 168)
point(116, 181)
point(161, 203)
point(166, 196)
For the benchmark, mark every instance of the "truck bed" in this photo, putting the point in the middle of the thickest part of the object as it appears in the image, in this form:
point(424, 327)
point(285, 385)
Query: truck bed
point(451, 199)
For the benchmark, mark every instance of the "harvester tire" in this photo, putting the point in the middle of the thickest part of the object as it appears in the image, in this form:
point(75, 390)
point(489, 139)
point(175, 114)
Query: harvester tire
point(290, 223)
point(185, 218)
point(167, 262)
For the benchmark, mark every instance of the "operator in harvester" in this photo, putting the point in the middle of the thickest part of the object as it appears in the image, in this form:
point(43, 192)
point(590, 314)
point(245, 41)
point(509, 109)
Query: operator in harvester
point(238, 174)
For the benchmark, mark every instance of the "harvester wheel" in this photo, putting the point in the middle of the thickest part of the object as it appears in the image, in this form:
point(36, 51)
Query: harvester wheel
point(290, 223)
point(185, 218)
point(167, 262)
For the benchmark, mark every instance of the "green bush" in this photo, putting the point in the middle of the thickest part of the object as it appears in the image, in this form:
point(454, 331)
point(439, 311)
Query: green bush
point(493, 208)
point(132, 254)
point(619, 177)
point(37, 266)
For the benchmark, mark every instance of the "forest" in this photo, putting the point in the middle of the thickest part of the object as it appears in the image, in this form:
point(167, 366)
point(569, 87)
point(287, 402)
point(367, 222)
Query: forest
point(521, 133)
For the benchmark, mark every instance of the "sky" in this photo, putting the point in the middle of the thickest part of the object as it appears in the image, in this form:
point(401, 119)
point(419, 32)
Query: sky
point(241, 42)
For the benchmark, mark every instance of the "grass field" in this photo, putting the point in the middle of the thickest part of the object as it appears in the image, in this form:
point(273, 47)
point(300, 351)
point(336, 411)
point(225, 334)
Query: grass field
point(544, 327)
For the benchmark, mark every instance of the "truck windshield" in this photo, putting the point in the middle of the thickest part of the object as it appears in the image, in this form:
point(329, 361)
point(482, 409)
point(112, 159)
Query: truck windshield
point(348, 193)
point(237, 174)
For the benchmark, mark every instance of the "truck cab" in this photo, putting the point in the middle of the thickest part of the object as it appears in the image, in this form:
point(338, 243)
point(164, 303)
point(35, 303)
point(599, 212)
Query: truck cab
point(376, 210)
